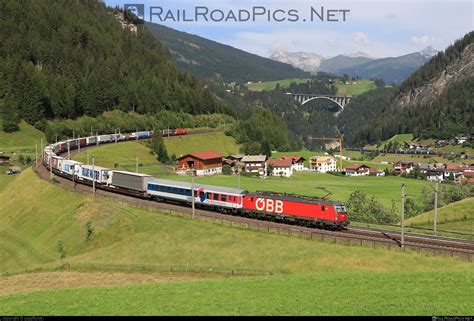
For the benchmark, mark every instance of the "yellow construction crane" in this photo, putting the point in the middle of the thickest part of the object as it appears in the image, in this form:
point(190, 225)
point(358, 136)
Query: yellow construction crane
point(332, 139)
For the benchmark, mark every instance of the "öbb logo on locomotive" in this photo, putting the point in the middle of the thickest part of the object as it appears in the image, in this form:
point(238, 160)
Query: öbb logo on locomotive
point(282, 207)
point(269, 205)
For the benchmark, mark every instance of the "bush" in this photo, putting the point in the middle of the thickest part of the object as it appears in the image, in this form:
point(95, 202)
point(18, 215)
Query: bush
point(21, 159)
point(247, 174)
point(369, 210)
point(226, 170)
point(89, 231)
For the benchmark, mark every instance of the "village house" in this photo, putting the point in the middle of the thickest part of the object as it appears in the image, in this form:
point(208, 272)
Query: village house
point(456, 171)
point(461, 139)
point(468, 176)
point(376, 172)
point(435, 175)
point(281, 167)
point(232, 160)
point(323, 164)
point(403, 167)
point(426, 168)
point(297, 161)
point(255, 164)
point(4, 160)
point(357, 170)
point(416, 146)
point(205, 163)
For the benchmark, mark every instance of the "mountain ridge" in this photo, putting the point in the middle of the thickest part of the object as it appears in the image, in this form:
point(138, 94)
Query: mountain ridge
point(390, 69)
point(206, 58)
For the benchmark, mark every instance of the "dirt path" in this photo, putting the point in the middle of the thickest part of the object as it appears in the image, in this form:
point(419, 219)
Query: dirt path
point(44, 281)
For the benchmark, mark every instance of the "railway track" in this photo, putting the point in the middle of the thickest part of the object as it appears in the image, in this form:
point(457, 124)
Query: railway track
point(414, 238)
point(350, 235)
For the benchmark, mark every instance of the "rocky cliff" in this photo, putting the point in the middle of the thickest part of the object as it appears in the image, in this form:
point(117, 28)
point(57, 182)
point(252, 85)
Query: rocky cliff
point(462, 68)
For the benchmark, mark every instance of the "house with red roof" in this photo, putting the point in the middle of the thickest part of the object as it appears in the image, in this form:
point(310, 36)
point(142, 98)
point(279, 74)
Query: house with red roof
point(363, 170)
point(457, 171)
point(205, 163)
point(468, 176)
point(298, 162)
point(281, 167)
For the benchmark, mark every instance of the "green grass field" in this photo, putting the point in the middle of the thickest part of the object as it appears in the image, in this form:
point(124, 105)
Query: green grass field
point(401, 139)
point(456, 149)
point(356, 89)
point(217, 142)
point(457, 216)
point(271, 85)
point(393, 158)
point(342, 89)
point(120, 153)
point(427, 293)
point(5, 179)
point(24, 139)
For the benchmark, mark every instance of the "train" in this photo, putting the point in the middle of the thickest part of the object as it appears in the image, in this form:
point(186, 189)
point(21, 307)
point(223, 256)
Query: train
point(405, 152)
point(279, 207)
point(173, 132)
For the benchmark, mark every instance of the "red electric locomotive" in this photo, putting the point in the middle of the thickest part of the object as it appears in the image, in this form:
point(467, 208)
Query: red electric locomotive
point(180, 132)
point(309, 211)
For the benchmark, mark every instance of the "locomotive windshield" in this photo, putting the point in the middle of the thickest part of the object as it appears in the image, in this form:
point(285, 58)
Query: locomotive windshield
point(340, 209)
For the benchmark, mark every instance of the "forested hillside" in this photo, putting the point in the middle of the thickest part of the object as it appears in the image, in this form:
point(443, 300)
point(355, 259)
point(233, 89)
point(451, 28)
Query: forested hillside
point(208, 59)
point(437, 64)
point(68, 58)
point(391, 70)
point(437, 101)
point(293, 120)
point(356, 119)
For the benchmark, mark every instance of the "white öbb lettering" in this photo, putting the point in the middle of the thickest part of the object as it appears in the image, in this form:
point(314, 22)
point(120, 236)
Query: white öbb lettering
point(268, 205)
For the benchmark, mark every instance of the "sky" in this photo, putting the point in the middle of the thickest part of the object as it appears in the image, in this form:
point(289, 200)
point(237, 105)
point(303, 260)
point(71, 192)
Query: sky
point(381, 28)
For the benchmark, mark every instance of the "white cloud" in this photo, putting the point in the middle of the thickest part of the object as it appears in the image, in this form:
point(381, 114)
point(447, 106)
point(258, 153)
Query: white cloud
point(423, 40)
point(331, 42)
point(361, 38)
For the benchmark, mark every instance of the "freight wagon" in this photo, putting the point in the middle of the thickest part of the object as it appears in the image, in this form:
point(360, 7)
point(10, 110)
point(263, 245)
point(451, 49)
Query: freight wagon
point(103, 139)
point(55, 162)
point(91, 140)
point(116, 137)
point(89, 173)
point(47, 158)
point(69, 166)
point(140, 135)
point(72, 144)
point(82, 142)
point(60, 147)
point(130, 181)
